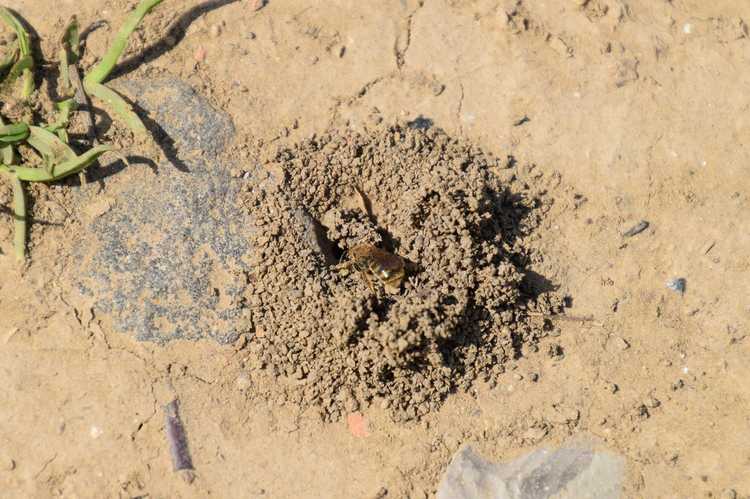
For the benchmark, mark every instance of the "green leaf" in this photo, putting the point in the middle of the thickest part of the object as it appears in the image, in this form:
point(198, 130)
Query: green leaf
point(64, 110)
point(101, 71)
point(19, 68)
point(15, 132)
point(49, 146)
point(61, 170)
point(26, 62)
point(21, 35)
point(19, 218)
point(116, 104)
point(7, 154)
point(71, 40)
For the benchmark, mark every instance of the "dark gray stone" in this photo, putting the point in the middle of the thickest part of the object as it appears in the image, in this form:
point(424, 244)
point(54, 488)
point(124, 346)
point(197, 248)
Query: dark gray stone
point(170, 258)
point(184, 118)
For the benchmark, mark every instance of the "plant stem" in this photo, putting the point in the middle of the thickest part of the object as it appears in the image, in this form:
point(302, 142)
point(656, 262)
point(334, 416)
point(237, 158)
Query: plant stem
point(101, 71)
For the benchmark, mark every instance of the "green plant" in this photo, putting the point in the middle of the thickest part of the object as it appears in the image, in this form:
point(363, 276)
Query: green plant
point(93, 82)
point(55, 159)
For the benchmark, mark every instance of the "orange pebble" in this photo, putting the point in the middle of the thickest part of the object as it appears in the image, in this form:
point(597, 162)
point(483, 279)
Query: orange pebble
point(200, 54)
point(357, 425)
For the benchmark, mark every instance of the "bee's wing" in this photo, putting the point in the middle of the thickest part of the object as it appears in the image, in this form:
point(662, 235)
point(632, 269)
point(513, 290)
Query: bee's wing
point(387, 260)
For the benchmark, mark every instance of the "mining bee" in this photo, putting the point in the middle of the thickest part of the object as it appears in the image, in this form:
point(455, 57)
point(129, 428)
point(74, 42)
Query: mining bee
point(376, 265)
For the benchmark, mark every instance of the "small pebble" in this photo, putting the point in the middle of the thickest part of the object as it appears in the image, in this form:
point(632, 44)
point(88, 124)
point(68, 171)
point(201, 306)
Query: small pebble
point(611, 387)
point(652, 403)
point(534, 377)
point(243, 382)
point(95, 431)
point(620, 343)
point(729, 494)
point(241, 341)
point(257, 4)
point(535, 434)
point(200, 54)
point(555, 351)
point(357, 425)
point(7, 464)
point(678, 284)
point(215, 31)
point(642, 412)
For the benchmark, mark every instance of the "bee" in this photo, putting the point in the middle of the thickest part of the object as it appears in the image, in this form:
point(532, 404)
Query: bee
point(376, 265)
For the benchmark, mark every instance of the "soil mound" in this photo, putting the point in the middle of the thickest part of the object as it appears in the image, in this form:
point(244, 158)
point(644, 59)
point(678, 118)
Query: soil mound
point(463, 309)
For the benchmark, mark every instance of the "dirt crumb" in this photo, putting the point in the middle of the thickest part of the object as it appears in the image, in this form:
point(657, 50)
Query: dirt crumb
point(432, 200)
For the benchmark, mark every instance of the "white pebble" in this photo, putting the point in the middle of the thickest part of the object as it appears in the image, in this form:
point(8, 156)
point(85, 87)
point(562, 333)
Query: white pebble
point(243, 382)
point(7, 464)
point(95, 431)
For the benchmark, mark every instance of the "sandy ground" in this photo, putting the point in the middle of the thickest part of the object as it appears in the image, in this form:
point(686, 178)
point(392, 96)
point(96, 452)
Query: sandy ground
point(635, 110)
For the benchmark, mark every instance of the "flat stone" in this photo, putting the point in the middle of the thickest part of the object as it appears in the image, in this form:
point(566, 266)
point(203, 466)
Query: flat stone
point(169, 257)
point(188, 121)
point(565, 473)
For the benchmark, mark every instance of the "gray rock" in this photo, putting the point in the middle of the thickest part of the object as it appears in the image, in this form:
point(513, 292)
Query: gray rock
point(569, 472)
point(169, 258)
point(678, 285)
point(185, 117)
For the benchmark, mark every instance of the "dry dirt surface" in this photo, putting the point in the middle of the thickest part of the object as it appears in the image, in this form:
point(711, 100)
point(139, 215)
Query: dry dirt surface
point(503, 149)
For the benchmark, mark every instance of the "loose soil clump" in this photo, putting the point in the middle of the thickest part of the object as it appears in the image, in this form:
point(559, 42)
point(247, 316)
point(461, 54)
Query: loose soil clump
point(463, 311)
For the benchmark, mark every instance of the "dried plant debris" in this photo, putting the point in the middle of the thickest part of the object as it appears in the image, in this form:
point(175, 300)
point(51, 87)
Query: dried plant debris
point(463, 309)
point(636, 229)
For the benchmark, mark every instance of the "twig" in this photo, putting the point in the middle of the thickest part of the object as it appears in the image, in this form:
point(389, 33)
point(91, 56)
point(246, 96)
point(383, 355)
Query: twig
point(83, 103)
point(178, 447)
point(636, 229)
